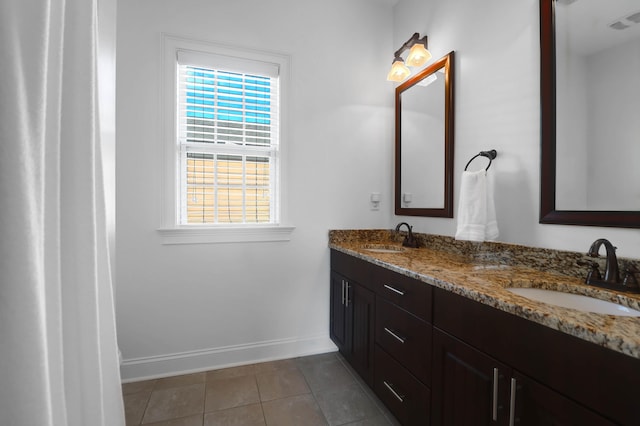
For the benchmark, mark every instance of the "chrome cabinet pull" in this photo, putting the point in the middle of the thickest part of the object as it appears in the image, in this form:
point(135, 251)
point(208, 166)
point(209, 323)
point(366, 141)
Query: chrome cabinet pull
point(512, 403)
point(346, 294)
point(397, 337)
point(342, 292)
point(390, 387)
point(395, 290)
point(495, 394)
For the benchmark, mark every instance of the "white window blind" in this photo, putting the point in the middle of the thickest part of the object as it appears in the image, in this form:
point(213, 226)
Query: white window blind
point(227, 140)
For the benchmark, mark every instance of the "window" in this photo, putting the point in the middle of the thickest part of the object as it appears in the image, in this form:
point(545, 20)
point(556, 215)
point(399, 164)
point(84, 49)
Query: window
point(228, 138)
point(224, 141)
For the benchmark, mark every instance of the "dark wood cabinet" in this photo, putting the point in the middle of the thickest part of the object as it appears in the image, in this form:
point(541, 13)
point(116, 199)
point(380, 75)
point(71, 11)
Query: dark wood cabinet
point(351, 321)
point(338, 326)
point(372, 305)
point(560, 376)
point(405, 337)
point(469, 387)
point(435, 357)
point(405, 396)
point(407, 293)
point(402, 372)
point(537, 405)
point(360, 305)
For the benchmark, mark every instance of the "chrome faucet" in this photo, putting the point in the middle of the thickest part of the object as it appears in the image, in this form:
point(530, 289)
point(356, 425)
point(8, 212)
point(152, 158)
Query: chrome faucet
point(409, 239)
point(611, 278)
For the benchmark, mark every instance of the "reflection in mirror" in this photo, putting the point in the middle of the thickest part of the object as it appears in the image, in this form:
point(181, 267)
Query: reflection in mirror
point(598, 105)
point(422, 120)
point(424, 142)
point(590, 98)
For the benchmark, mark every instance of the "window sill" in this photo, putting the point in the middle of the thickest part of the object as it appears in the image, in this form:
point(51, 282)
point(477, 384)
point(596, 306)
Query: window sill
point(210, 235)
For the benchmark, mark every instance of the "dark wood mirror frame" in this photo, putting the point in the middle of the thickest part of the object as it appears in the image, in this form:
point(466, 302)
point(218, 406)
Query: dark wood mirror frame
point(446, 62)
point(548, 212)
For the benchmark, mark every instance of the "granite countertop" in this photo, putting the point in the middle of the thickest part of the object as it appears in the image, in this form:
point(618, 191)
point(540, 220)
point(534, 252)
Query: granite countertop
point(484, 278)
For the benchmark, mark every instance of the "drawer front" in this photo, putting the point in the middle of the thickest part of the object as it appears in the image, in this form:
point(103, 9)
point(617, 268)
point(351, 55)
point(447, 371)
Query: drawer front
point(408, 293)
point(407, 398)
point(405, 337)
point(351, 267)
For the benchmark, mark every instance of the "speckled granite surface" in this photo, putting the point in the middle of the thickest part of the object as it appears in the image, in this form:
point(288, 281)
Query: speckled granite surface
point(483, 271)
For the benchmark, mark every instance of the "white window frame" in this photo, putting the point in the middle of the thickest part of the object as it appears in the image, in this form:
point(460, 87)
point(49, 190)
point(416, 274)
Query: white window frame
point(171, 231)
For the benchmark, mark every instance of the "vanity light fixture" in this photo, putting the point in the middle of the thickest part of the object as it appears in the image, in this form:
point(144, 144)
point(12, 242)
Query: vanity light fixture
point(418, 56)
point(399, 71)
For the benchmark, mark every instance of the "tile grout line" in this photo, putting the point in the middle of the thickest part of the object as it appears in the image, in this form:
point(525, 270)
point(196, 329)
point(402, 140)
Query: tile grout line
point(264, 417)
point(357, 380)
point(313, 395)
point(376, 402)
point(146, 405)
point(204, 399)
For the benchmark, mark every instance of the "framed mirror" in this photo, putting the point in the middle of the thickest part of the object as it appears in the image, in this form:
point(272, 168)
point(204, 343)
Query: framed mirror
point(424, 142)
point(590, 109)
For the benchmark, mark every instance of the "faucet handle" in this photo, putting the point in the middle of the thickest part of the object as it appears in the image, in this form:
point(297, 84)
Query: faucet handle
point(630, 282)
point(594, 272)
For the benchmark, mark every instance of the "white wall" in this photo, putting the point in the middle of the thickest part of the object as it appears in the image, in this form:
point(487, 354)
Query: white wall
point(183, 307)
point(598, 127)
point(497, 106)
point(614, 102)
point(571, 123)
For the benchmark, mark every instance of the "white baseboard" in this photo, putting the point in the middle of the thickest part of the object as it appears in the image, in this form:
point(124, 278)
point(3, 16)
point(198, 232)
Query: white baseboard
point(153, 367)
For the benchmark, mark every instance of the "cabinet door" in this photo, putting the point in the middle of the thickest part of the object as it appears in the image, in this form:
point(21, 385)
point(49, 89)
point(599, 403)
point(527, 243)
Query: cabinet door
point(469, 388)
point(351, 323)
point(360, 310)
point(339, 321)
point(537, 405)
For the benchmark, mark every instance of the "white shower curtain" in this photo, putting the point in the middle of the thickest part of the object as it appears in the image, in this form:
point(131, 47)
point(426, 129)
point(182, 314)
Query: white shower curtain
point(58, 353)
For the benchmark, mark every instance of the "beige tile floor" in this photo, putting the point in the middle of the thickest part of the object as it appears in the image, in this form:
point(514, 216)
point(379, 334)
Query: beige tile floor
point(307, 391)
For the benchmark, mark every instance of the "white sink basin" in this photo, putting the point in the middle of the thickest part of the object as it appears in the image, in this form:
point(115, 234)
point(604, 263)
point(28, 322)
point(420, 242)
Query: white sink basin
point(383, 248)
point(575, 301)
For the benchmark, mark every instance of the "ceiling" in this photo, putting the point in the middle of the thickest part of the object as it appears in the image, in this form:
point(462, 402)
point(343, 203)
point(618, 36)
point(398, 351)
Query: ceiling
point(588, 23)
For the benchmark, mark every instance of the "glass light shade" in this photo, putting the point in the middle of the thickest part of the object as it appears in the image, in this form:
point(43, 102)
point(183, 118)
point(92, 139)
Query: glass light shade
point(418, 55)
point(399, 71)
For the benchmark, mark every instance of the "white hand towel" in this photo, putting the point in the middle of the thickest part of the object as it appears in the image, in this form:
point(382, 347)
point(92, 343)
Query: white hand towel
point(491, 230)
point(476, 209)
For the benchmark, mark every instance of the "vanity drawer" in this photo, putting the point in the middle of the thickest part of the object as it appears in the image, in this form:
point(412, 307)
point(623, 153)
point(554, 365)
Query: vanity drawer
point(408, 293)
point(405, 337)
point(407, 398)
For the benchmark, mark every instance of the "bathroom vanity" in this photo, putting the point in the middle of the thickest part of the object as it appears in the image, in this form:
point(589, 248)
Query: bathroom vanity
point(439, 338)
